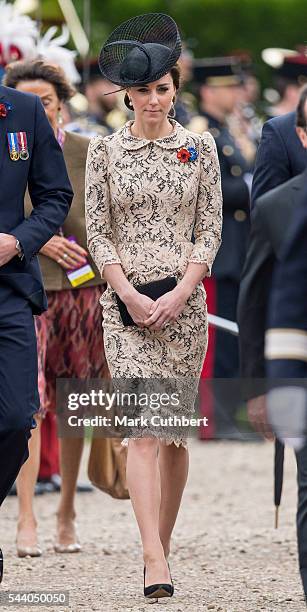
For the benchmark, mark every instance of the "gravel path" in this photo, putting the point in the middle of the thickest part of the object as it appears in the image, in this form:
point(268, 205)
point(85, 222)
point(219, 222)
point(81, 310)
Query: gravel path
point(226, 556)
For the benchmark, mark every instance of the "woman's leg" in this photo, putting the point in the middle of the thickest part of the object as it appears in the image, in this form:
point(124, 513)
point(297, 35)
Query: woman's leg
point(26, 480)
point(70, 457)
point(78, 340)
point(174, 466)
point(143, 481)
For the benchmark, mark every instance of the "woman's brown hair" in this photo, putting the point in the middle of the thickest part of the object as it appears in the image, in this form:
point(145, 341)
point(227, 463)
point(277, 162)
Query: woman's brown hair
point(38, 69)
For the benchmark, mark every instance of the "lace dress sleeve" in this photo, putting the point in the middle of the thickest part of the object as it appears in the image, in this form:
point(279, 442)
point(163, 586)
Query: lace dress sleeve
point(208, 221)
point(98, 218)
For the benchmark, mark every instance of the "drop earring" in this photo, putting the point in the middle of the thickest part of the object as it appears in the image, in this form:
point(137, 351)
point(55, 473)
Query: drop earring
point(172, 112)
point(60, 118)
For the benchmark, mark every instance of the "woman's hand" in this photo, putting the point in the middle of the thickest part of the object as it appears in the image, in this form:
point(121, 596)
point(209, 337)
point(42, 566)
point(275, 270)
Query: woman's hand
point(167, 308)
point(139, 306)
point(67, 254)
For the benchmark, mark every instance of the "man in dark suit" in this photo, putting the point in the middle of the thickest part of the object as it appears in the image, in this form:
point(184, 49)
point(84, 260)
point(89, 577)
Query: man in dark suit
point(271, 218)
point(286, 338)
point(29, 156)
point(286, 353)
point(280, 155)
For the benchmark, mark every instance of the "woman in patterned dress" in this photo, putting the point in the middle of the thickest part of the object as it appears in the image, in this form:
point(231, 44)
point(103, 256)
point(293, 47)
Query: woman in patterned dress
point(148, 186)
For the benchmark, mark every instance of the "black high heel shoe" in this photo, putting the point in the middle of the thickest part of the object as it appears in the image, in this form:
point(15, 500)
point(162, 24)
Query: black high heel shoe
point(169, 569)
point(158, 590)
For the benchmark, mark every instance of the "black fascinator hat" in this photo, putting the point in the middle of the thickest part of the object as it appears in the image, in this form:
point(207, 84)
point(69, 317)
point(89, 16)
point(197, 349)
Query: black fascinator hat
point(140, 50)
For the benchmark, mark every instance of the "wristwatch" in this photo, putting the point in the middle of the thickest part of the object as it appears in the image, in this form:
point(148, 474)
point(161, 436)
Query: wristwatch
point(19, 249)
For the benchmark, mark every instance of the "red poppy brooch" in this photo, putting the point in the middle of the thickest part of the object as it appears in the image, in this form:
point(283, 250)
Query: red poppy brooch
point(5, 107)
point(187, 155)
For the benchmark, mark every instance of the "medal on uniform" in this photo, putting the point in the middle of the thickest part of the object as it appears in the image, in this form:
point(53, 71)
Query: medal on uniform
point(23, 145)
point(13, 146)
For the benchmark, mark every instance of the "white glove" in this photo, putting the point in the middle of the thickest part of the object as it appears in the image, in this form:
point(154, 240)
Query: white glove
point(287, 410)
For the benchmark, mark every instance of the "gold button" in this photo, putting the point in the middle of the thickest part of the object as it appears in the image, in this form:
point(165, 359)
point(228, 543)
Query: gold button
point(228, 150)
point(215, 132)
point(236, 170)
point(240, 215)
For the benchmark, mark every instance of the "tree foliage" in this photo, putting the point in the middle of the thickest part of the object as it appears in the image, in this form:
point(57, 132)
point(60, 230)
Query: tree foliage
point(212, 27)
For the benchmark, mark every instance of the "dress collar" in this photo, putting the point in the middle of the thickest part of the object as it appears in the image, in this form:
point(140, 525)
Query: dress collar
point(129, 142)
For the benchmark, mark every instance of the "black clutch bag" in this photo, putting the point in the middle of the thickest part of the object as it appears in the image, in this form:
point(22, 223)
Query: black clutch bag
point(154, 290)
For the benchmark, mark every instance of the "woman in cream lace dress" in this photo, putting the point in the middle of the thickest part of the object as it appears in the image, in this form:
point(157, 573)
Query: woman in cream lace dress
point(149, 186)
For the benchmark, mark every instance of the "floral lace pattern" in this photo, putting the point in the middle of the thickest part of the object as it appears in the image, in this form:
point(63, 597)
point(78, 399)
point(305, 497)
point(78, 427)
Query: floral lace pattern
point(142, 205)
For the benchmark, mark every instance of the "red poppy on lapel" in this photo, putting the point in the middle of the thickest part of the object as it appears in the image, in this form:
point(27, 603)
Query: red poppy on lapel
point(5, 107)
point(183, 155)
point(3, 110)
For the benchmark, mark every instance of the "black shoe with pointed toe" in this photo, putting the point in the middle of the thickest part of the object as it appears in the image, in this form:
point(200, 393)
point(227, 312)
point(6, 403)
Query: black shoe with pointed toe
point(169, 569)
point(158, 590)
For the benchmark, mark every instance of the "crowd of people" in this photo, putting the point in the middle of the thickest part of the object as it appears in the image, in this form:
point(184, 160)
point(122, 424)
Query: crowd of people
point(152, 166)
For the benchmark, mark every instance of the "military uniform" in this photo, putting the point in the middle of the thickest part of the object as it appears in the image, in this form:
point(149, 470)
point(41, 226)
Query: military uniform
point(289, 70)
point(90, 124)
point(223, 288)
point(286, 338)
point(231, 256)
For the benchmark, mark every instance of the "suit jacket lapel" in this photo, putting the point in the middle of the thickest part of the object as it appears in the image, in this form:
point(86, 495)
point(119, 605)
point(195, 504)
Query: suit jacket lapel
point(297, 187)
point(294, 199)
point(4, 96)
point(301, 179)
